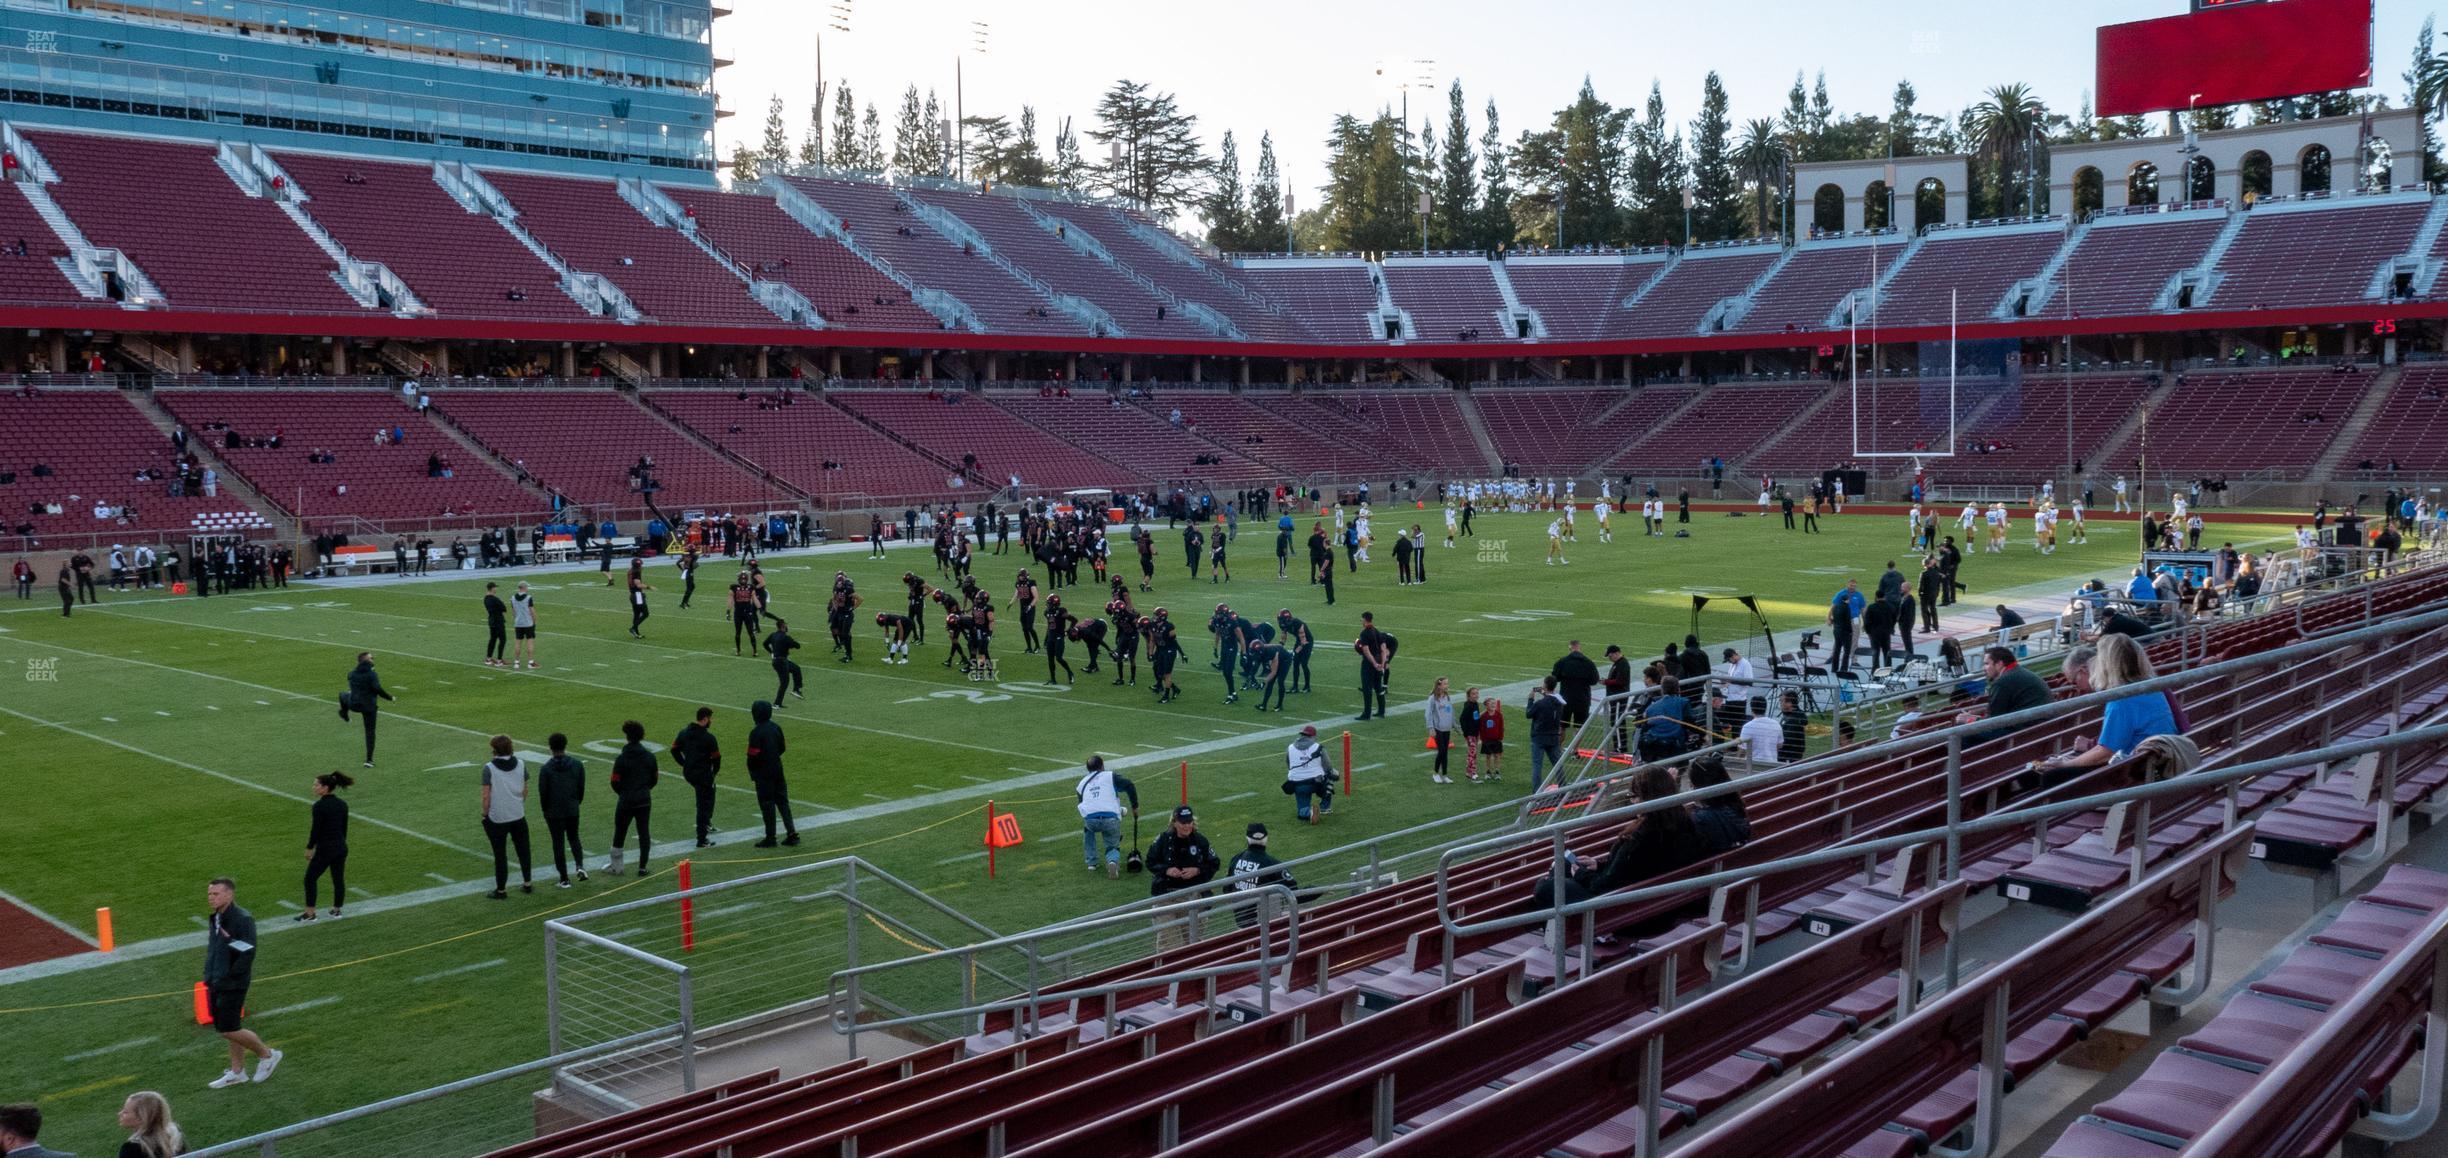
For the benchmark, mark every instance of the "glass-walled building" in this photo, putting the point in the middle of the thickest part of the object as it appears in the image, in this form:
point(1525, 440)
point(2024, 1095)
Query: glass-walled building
point(580, 86)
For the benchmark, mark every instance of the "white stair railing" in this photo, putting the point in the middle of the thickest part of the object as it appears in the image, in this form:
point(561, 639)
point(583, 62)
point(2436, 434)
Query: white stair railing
point(796, 204)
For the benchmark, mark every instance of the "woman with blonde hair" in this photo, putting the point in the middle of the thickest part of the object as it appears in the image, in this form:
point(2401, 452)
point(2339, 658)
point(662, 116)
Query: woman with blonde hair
point(2128, 720)
point(146, 1115)
point(1440, 719)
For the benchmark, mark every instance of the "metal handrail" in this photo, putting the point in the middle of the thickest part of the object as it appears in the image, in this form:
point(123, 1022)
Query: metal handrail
point(1274, 902)
point(1920, 742)
point(859, 864)
point(263, 1143)
point(2024, 816)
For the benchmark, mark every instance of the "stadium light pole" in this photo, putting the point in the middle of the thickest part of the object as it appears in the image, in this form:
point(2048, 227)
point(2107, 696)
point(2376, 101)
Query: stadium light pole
point(1688, 197)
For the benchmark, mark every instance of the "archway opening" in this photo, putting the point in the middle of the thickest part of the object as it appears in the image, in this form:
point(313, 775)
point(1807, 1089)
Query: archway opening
point(1877, 213)
point(2090, 192)
point(2142, 184)
point(2201, 179)
point(2312, 170)
point(1929, 203)
point(2255, 172)
point(1827, 210)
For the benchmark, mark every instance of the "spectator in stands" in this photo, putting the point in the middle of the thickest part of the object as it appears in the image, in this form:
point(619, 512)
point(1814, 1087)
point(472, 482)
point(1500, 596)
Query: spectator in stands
point(1653, 844)
point(1718, 820)
point(1761, 735)
point(151, 1133)
point(2012, 688)
point(2127, 721)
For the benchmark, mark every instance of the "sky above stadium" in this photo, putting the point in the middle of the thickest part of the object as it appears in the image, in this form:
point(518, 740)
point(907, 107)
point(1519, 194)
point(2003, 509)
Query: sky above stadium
point(1289, 67)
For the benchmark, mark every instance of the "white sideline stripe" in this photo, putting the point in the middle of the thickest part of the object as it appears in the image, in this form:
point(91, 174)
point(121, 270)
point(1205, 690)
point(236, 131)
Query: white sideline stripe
point(114, 1047)
point(219, 775)
point(1369, 767)
point(300, 1007)
point(232, 680)
point(1234, 796)
point(980, 855)
point(50, 920)
point(455, 971)
point(441, 878)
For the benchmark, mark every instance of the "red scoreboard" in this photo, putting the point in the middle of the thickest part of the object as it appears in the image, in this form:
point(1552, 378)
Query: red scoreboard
point(2227, 52)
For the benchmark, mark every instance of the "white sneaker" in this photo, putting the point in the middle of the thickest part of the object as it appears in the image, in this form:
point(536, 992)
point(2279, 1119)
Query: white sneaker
point(227, 1079)
point(264, 1068)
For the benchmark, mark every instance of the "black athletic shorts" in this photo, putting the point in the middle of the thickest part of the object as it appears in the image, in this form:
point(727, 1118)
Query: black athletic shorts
point(227, 1006)
point(525, 632)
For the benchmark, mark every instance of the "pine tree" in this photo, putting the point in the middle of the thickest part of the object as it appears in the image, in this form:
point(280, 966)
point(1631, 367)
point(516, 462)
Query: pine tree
point(1656, 174)
point(1496, 228)
point(1268, 231)
point(1071, 173)
point(1455, 224)
point(872, 157)
point(1903, 124)
point(775, 157)
point(842, 152)
point(913, 137)
point(743, 164)
point(1795, 122)
point(990, 147)
point(1159, 163)
point(1025, 164)
point(1225, 206)
point(939, 150)
point(1717, 211)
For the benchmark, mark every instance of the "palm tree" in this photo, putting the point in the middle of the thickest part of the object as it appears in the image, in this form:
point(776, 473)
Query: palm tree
point(2003, 124)
point(1760, 157)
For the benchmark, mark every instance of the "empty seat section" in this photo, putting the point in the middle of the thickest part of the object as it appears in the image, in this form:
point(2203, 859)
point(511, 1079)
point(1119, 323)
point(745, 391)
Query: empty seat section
point(1727, 422)
point(1552, 431)
point(1578, 298)
point(460, 264)
point(201, 239)
point(2322, 256)
point(1180, 270)
point(1426, 427)
point(1686, 293)
point(2212, 422)
point(1449, 301)
point(1049, 258)
point(957, 425)
point(846, 291)
point(1971, 268)
point(1803, 294)
point(371, 481)
point(1876, 416)
point(1144, 442)
point(1295, 446)
point(1333, 297)
point(2122, 263)
point(32, 278)
point(2017, 431)
point(665, 275)
point(797, 440)
point(582, 443)
point(876, 216)
point(2407, 429)
point(94, 442)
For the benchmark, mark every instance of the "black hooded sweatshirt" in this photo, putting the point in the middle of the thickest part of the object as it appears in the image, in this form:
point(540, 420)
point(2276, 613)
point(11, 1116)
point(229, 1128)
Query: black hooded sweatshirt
point(765, 745)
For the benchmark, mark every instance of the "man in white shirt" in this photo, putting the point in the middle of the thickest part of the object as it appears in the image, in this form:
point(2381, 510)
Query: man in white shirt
point(1760, 736)
point(1099, 795)
point(1737, 673)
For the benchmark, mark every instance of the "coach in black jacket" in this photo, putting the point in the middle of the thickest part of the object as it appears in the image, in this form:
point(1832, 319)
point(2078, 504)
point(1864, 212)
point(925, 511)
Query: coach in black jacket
point(700, 759)
point(634, 775)
point(1575, 675)
point(364, 687)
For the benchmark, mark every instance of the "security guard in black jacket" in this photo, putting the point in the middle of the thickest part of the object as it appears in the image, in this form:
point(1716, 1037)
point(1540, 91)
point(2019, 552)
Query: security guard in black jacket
point(700, 758)
point(1180, 859)
point(1249, 868)
point(787, 677)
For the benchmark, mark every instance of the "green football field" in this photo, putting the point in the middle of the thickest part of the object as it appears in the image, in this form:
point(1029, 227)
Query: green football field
point(155, 741)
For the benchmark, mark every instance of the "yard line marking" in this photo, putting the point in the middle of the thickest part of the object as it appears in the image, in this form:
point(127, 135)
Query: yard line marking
point(629, 932)
point(1234, 796)
point(201, 923)
point(50, 920)
point(220, 775)
point(241, 683)
point(456, 970)
point(159, 712)
point(626, 691)
point(932, 788)
point(1224, 731)
point(1153, 747)
point(90, 1087)
point(727, 910)
point(980, 779)
point(210, 708)
point(300, 1007)
point(112, 1048)
point(358, 892)
point(1012, 767)
point(873, 796)
point(289, 905)
point(962, 857)
point(1369, 767)
point(110, 719)
point(441, 878)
